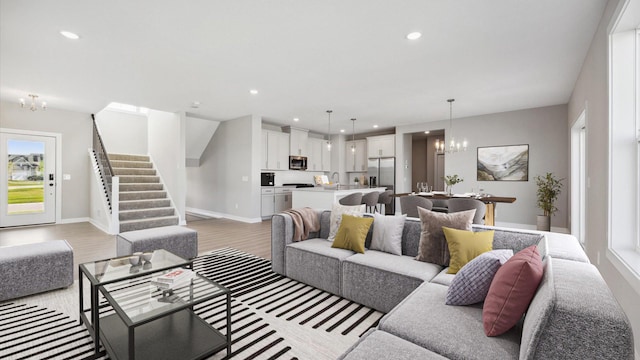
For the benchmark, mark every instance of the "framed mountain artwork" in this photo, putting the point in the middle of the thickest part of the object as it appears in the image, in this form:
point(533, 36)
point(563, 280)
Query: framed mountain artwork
point(503, 163)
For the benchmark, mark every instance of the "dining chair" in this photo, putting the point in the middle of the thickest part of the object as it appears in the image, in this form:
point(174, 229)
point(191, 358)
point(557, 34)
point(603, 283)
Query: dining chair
point(462, 204)
point(409, 205)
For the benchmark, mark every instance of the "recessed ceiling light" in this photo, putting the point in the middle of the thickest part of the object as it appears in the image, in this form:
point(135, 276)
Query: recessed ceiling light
point(296, 119)
point(341, 130)
point(375, 126)
point(426, 132)
point(69, 35)
point(253, 92)
point(414, 35)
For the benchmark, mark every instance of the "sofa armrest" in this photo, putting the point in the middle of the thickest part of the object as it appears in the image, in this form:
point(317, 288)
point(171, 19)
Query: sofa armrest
point(282, 235)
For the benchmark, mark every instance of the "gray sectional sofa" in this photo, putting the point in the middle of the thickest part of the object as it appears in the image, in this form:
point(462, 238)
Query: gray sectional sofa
point(573, 314)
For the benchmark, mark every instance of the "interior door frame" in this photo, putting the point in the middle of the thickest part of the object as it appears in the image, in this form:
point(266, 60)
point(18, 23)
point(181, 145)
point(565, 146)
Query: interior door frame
point(59, 177)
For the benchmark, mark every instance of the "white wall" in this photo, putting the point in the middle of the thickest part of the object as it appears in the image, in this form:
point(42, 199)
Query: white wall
point(76, 129)
point(166, 142)
point(227, 183)
point(117, 140)
point(198, 135)
point(591, 92)
point(543, 129)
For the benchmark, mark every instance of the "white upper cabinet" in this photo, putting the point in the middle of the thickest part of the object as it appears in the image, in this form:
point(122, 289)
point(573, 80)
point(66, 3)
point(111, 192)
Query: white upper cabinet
point(356, 161)
point(299, 141)
point(381, 146)
point(314, 159)
point(277, 150)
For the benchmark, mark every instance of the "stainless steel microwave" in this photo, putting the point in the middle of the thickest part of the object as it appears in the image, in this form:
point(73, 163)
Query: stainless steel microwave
point(297, 163)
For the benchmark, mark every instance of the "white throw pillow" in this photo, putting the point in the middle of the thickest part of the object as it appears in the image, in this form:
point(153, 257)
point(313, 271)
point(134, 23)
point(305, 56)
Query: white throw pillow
point(387, 233)
point(336, 210)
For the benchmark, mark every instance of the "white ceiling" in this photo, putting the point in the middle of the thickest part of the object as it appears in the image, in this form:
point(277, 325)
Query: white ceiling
point(303, 56)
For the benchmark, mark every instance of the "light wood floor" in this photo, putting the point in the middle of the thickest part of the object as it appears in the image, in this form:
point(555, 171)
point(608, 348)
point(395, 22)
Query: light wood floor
point(90, 243)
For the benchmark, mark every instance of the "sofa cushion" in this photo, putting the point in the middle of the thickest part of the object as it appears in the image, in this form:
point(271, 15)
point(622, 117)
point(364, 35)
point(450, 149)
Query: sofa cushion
point(336, 211)
point(471, 284)
point(433, 246)
point(574, 316)
point(352, 233)
point(411, 237)
point(454, 332)
point(465, 245)
point(511, 291)
point(387, 233)
point(316, 263)
point(443, 278)
point(376, 344)
point(514, 239)
point(389, 278)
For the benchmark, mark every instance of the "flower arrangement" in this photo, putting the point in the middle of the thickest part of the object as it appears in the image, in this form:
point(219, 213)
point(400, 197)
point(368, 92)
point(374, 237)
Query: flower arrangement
point(451, 180)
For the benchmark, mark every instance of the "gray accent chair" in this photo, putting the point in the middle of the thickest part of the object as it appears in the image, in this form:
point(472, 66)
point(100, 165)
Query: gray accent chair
point(463, 204)
point(351, 199)
point(370, 200)
point(33, 268)
point(409, 205)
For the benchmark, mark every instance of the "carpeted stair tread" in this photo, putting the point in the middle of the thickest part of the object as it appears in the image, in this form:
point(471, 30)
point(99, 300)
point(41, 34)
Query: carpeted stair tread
point(131, 164)
point(146, 213)
point(142, 195)
point(128, 157)
point(140, 224)
point(127, 179)
point(141, 187)
point(144, 204)
point(133, 171)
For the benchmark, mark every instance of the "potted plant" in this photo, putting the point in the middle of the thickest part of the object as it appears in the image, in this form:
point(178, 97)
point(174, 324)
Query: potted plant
point(549, 187)
point(451, 180)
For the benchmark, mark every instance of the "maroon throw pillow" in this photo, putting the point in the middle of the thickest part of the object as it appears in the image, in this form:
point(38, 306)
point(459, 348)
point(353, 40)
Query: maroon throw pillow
point(511, 291)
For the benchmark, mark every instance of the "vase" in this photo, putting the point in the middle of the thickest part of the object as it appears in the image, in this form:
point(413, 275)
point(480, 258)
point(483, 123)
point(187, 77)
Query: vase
point(544, 223)
point(449, 190)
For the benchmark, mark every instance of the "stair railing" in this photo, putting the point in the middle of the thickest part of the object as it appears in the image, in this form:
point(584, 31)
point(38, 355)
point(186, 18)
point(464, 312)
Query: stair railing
point(104, 164)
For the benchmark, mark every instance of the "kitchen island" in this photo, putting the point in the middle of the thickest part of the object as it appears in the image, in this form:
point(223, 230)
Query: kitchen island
point(323, 197)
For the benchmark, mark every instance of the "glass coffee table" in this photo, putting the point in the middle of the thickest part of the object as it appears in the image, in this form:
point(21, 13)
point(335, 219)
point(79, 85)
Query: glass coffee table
point(142, 312)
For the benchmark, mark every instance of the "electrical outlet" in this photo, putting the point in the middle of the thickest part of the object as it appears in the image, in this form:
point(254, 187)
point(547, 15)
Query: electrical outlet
point(245, 178)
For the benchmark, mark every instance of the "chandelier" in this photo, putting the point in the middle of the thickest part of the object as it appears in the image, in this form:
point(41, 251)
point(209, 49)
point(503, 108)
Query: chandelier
point(33, 106)
point(454, 146)
point(329, 131)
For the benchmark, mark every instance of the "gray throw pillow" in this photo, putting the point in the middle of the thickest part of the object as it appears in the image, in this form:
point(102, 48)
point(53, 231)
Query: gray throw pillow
point(387, 233)
point(433, 245)
point(471, 284)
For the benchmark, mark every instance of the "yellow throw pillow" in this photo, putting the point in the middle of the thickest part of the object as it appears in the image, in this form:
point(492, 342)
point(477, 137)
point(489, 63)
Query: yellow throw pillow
point(352, 233)
point(465, 245)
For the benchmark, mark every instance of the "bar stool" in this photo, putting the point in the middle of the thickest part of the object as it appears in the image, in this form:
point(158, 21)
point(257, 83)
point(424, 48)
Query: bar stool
point(351, 199)
point(371, 200)
point(385, 198)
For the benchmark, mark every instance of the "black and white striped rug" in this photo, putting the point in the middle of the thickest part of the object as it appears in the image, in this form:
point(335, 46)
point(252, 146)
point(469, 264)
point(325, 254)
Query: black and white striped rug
point(273, 317)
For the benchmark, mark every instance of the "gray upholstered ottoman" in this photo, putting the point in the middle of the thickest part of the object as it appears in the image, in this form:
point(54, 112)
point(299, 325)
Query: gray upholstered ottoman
point(32, 268)
point(179, 240)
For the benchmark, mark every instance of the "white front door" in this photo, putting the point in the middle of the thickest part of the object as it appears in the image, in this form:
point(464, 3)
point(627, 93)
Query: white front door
point(28, 184)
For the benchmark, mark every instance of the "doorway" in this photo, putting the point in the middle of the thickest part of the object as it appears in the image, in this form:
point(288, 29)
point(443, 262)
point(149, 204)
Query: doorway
point(579, 177)
point(427, 163)
point(28, 191)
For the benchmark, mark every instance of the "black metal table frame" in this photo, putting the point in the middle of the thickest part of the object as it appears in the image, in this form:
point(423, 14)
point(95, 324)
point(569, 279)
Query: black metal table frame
point(131, 327)
point(93, 326)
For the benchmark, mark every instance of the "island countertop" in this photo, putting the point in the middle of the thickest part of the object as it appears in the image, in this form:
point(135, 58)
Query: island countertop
point(324, 197)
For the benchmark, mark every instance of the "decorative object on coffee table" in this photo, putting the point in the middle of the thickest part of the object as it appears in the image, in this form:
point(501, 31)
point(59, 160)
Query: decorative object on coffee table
point(549, 187)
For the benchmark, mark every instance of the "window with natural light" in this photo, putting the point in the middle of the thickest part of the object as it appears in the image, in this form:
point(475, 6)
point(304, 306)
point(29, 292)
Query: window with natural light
point(624, 144)
point(126, 108)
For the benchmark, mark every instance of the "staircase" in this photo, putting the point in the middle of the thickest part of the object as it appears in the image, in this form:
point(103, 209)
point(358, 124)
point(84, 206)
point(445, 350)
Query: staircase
point(143, 201)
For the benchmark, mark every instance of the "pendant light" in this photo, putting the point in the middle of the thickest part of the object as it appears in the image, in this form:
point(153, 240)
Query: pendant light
point(353, 136)
point(329, 131)
point(453, 145)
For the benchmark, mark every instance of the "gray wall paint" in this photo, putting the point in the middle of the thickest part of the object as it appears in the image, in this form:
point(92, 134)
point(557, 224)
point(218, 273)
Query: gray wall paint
point(419, 162)
point(544, 129)
point(166, 141)
point(76, 131)
point(217, 185)
point(117, 141)
point(591, 92)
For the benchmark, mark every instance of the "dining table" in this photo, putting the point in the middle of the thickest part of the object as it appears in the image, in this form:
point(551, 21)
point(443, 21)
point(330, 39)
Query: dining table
point(490, 201)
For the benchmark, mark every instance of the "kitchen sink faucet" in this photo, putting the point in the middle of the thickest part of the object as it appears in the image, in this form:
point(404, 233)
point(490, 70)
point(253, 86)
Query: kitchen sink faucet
point(334, 174)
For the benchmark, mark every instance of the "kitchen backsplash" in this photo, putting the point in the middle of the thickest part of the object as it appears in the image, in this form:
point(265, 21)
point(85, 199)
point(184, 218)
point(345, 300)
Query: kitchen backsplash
point(304, 177)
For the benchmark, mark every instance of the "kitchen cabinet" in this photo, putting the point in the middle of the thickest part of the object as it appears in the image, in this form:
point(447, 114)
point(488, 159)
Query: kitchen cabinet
point(356, 161)
point(298, 141)
point(277, 150)
point(268, 203)
point(315, 160)
point(282, 200)
point(381, 146)
point(275, 200)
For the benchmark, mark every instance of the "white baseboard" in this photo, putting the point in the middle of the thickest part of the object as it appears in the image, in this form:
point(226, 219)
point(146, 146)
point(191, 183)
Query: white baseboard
point(100, 226)
point(74, 220)
point(218, 215)
point(530, 227)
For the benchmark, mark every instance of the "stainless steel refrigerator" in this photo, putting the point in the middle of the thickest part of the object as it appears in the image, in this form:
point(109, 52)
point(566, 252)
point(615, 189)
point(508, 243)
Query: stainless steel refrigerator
point(382, 173)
